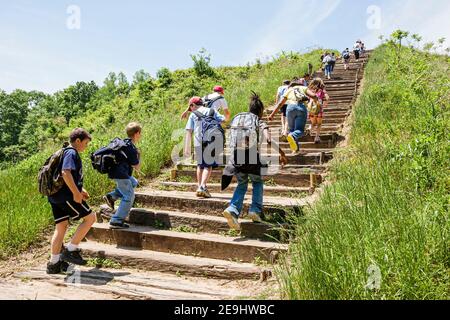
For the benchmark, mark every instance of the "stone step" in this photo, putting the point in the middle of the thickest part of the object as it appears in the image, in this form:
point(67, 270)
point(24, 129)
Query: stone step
point(188, 244)
point(189, 202)
point(178, 220)
point(175, 263)
point(279, 191)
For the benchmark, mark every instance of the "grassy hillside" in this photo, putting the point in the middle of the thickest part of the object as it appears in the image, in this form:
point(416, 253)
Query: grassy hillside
point(24, 214)
point(381, 231)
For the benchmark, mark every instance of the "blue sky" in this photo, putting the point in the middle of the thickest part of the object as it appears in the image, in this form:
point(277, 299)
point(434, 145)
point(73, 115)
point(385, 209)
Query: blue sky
point(39, 52)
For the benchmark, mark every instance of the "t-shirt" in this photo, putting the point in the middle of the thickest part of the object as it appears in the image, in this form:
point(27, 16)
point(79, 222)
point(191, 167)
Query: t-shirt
point(281, 91)
point(70, 161)
point(357, 47)
point(321, 94)
point(220, 104)
point(124, 170)
point(327, 59)
point(291, 96)
point(194, 124)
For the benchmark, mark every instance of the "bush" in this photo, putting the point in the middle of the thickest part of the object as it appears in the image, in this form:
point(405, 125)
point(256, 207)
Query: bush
point(387, 210)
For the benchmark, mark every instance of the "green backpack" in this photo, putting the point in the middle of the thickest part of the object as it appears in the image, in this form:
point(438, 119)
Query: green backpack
point(50, 179)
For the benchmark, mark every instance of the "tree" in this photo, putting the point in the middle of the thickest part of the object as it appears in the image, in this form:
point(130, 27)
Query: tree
point(164, 77)
point(14, 109)
point(202, 65)
point(76, 99)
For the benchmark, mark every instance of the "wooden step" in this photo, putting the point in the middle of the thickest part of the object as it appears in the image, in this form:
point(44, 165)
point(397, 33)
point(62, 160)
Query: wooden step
point(188, 244)
point(288, 179)
point(175, 263)
point(189, 202)
point(178, 220)
point(280, 191)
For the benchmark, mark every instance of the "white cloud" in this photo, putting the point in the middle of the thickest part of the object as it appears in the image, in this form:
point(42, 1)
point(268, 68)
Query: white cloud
point(429, 19)
point(291, 26)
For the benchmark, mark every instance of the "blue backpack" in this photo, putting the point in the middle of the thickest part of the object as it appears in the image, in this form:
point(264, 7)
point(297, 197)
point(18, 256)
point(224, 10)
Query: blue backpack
point(210, 127)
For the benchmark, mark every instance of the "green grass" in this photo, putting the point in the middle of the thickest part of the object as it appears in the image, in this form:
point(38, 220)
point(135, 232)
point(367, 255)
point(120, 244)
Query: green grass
point(388, 207)
point(24, 214)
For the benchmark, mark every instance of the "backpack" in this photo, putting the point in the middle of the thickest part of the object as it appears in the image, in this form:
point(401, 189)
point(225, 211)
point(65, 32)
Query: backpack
point(208, 103)
point(210, 127)
point(346, 55)
point(244, 136)
point(244, 131)
point(314, 108)
point(300, 96)
point(106, 158)
point(50, 179)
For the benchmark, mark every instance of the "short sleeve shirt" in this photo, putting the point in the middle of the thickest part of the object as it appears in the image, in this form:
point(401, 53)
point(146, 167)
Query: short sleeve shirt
point(290, 94)
point(70, 161)
point(194, 124)
point(218, 105)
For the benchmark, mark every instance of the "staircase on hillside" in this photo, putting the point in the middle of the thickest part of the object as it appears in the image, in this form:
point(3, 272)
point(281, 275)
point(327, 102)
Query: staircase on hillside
point(175, 232)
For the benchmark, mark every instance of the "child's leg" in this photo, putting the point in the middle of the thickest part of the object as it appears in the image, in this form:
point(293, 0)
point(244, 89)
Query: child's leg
point(58, 237)
point(237, 202)
point(258, 194)
point(199, 176)
point(83, 229)
point(205, 176)
point(125, 187)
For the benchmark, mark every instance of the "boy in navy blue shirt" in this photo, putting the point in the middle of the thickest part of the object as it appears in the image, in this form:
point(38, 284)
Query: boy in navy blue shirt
point(70, 203)
point(122, 174)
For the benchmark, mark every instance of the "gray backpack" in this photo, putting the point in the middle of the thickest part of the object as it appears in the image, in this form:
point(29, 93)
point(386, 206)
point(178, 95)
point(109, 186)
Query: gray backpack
point(244, 131)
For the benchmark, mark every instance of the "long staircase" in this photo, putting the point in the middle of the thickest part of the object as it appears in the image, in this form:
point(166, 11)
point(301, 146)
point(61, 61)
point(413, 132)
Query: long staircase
point(175, 232)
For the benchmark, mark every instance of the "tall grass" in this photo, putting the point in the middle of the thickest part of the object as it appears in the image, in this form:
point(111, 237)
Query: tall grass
point(381, 230)
point(24, 214)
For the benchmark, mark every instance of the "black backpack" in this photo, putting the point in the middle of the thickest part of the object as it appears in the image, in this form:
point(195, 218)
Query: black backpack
point(50, 180)
point(208, 103)
point(107, 158)
point(346, 55)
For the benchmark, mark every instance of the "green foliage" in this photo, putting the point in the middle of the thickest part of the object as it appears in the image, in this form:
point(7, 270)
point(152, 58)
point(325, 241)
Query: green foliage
point(202, 66)
point(388, 206)
point(156, 104)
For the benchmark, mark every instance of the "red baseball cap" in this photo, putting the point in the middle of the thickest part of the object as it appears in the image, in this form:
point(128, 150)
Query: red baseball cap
point(219, 89)
point(196, 100)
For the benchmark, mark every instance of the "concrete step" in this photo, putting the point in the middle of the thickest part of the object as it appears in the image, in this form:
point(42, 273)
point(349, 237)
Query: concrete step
point(175, 263)
point(279, 191)
point(189, 202)
point(188, 244)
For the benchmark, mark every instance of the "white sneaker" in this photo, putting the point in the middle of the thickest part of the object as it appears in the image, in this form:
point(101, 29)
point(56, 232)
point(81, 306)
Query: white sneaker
point(232, 220)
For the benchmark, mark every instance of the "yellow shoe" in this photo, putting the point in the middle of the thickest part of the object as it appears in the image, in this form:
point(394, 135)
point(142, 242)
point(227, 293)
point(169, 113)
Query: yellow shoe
point(292, 143)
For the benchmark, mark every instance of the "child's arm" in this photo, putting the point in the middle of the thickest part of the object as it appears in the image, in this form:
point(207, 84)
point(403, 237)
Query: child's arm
point(279, 105)
point(188, 143)
point(271, 142)
point(68, 179)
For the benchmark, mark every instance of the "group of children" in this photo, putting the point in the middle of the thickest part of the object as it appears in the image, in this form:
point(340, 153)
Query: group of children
point(69, 203)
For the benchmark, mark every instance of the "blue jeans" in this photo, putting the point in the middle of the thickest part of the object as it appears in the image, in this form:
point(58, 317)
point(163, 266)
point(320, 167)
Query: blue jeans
point(125, 191)
point(328, 70)
point(297, 115)
point(237, 203)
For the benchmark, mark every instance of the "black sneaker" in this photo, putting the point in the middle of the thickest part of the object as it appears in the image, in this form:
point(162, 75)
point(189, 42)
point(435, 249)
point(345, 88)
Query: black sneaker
point(119, 225)
point(109, 201)
point(73, 257)
point(57, 268)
